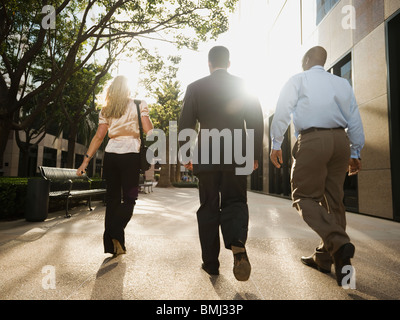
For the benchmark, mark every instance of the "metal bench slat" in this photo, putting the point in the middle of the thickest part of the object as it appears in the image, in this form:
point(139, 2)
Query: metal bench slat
point(55, 194)
point(86, 192)
point(52, 173)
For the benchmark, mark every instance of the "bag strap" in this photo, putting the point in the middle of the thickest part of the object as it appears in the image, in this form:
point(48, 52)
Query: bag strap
point(138, 102)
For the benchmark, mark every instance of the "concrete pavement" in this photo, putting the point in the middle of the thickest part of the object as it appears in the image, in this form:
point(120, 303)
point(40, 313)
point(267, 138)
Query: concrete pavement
point(63, 259)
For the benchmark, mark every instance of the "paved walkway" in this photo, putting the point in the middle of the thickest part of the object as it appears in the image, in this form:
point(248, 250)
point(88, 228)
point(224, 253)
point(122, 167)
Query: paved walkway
point(63, 258)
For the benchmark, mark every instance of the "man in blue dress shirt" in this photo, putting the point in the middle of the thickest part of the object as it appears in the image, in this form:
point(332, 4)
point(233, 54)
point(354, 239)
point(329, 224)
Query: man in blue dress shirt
point(329, 130)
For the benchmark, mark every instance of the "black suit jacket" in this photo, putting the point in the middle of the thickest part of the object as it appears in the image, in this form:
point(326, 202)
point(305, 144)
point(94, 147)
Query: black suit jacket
point(220, 102)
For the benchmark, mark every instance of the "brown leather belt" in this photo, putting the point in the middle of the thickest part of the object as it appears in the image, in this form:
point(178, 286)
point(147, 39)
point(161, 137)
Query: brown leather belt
point(313, 129)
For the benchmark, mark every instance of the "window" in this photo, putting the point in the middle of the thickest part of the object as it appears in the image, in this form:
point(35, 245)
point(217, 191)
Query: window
point(279, 179)
point(28, 162)
point(64, 159)
point(49, 157)
point(323, 7)
point(344, 69)
point(99, 166)
point(78, 160)
point(393, 27)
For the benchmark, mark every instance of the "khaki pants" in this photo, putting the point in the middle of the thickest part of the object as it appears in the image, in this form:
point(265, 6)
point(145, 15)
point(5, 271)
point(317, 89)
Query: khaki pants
point(318, 173)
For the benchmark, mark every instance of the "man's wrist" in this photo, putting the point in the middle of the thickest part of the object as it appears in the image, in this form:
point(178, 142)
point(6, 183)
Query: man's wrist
point(276, 145)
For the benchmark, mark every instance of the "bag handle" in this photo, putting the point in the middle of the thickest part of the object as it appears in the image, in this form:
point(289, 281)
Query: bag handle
point(138, 102)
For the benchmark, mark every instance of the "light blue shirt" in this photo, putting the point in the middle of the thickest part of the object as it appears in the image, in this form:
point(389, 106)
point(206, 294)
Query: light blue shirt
point(316, 98)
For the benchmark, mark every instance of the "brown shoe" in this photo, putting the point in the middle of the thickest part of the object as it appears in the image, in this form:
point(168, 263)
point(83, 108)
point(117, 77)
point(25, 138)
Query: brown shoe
point(241, 264)
point(310, 262)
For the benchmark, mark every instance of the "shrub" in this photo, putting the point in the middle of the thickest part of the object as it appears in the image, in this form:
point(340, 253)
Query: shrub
point(185, 184)
point(12, 197)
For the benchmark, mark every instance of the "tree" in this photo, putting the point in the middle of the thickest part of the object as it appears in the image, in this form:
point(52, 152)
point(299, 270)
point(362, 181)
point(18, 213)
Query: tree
point(32, 136)
point(166, 109)
point(82, 29)
point(77, 103)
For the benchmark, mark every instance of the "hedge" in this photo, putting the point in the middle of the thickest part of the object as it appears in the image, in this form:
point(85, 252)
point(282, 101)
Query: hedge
point(12, 197)
point(185, 184)
point(13, 194)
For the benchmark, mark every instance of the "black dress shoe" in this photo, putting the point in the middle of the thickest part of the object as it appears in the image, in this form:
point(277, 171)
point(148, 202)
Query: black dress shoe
point(342, 258)
point(210, 271)
point(309, 261)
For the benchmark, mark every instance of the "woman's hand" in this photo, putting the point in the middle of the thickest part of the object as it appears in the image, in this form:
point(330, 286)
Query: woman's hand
point(94, 145)
point(82, 169)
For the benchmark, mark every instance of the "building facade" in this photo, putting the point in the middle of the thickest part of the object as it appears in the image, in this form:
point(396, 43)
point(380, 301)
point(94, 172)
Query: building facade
point(362, 38)
point(51, 151)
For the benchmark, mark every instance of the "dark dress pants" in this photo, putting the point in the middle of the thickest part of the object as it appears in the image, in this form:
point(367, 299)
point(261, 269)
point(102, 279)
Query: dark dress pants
point(121, 172)
point(223, 202)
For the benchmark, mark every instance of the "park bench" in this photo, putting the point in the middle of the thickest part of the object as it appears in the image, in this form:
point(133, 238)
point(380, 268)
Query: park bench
point(62, 185)
point(145, 184)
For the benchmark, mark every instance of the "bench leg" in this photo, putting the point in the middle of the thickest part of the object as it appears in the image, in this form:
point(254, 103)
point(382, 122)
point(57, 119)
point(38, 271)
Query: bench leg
point(90, 204)
point(67, 214)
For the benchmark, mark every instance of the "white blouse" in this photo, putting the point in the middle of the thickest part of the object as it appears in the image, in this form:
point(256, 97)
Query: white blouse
point(124, 132)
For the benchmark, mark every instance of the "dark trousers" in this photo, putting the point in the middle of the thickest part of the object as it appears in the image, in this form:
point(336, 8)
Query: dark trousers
point(223, 202)
point(121, 172)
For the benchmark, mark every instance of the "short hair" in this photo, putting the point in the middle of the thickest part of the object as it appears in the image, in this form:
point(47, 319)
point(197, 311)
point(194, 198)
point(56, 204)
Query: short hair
point(219, 57)
point(317, 55)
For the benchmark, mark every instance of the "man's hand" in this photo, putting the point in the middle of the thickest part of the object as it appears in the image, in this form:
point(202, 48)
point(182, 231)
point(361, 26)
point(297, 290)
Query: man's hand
point(189, 166)
point(276, 158)
point(255, 165)
point(354, 166)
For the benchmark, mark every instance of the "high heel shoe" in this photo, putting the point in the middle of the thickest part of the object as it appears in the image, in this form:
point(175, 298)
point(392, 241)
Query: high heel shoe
point(118, 248)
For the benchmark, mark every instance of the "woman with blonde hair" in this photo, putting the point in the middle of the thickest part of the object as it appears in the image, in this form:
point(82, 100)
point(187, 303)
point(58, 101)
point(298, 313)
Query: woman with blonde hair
point(119, 118)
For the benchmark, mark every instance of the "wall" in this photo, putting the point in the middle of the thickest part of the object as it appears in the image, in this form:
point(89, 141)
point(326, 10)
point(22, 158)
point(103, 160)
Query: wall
point(367, 44)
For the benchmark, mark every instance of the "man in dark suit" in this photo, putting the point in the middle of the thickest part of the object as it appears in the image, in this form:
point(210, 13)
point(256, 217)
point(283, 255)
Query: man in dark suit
point(222, 108)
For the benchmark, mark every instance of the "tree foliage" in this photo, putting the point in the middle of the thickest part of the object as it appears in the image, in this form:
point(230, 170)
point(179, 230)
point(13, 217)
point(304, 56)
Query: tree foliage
point(39, 61)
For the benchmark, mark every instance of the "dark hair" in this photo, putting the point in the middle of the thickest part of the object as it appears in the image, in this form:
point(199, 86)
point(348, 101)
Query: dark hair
point(219, 57)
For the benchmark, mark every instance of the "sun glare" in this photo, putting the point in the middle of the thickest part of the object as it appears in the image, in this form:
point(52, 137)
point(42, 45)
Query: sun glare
point(264, 68)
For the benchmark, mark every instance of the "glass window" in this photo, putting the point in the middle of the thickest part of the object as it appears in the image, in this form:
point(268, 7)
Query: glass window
point(323, 7)
point(49, 157)
point(344, 69)
point(78, 160)
point(64, 159)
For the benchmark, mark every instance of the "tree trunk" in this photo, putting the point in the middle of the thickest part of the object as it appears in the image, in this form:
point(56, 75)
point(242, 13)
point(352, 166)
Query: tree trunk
point(24, 155)
point(5, 129)
point(165, 179)
point(178, 172)
point(24, 162)
point(172, 175)
point(71, 146)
